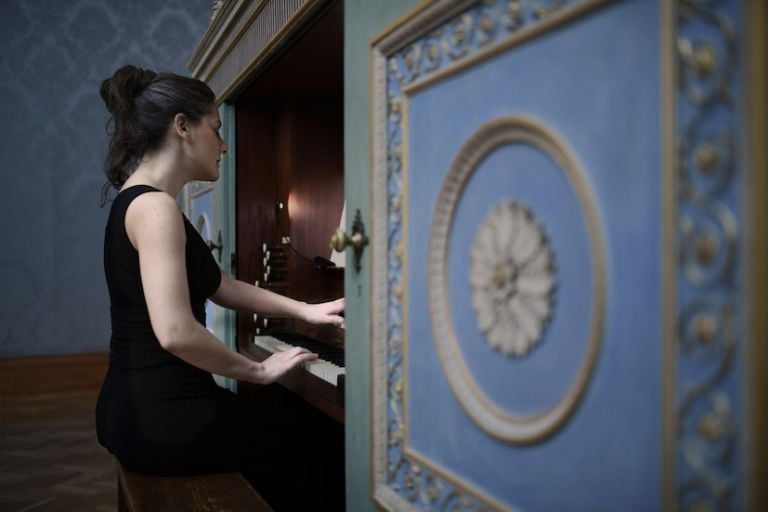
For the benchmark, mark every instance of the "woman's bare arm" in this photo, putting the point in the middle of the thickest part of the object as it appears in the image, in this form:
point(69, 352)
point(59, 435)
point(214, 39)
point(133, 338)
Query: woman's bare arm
point(156, 229)
point(241, 296)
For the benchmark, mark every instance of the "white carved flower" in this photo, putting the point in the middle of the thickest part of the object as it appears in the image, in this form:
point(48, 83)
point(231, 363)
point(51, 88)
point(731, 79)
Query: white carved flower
point(512, 278)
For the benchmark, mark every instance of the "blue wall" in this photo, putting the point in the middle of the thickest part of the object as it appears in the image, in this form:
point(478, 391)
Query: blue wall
point(52, 147)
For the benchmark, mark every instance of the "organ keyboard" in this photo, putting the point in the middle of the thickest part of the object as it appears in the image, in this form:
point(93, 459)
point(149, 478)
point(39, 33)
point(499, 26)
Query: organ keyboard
point(329, 366)
point(319, 383)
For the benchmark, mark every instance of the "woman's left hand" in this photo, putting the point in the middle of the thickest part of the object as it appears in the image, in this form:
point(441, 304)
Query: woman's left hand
point(324, 313)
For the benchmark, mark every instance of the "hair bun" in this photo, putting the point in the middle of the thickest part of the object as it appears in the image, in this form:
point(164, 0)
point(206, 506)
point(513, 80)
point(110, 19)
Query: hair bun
point(119, 91)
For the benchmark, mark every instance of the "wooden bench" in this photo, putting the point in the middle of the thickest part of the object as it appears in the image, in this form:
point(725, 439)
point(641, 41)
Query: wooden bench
point(221, 492)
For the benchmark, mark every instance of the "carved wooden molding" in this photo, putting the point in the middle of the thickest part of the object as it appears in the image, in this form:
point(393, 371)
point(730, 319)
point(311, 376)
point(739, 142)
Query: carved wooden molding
point(242, 36)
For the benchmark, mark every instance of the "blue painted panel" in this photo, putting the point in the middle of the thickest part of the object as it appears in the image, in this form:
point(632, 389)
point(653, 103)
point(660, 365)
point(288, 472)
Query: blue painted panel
point(595, 82)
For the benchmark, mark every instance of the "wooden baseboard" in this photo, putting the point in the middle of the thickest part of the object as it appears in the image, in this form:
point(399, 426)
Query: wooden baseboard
point(20, 376)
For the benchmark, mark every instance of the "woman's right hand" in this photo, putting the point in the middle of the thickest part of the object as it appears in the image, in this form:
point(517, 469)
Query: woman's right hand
point(277, 365)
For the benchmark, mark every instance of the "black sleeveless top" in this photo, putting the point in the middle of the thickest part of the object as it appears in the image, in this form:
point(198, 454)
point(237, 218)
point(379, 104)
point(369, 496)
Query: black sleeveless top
point(156, 413)
point(133, 344)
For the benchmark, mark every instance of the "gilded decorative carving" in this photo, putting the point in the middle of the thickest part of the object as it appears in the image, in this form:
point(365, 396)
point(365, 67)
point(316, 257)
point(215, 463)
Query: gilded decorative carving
point(436, 38)
point(514, 14)
point(217, 4)
point(543, 9)
point(706, 158)
point(709, 241)
point(706, 66)
point(708, 234)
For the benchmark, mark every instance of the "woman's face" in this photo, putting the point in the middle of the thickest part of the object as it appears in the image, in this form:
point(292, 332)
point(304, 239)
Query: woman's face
point(208, 146)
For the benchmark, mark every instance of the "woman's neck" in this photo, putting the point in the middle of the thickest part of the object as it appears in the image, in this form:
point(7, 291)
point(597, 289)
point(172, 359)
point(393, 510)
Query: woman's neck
point(160, 171)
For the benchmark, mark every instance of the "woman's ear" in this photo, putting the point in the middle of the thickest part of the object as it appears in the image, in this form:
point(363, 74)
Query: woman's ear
point(181, 125)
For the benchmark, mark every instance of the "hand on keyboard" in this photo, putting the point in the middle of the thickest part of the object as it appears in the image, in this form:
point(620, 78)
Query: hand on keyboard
point(277, 365)
point(329, 366)
point(324, 313)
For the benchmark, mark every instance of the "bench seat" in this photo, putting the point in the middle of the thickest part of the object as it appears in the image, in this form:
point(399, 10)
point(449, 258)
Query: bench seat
point(220, 492)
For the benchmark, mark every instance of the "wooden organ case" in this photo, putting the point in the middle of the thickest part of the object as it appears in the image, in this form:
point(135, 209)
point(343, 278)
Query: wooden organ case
point(280, 65)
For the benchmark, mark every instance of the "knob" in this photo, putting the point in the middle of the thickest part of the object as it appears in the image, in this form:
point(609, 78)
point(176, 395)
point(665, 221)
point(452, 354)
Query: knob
point(340, 241)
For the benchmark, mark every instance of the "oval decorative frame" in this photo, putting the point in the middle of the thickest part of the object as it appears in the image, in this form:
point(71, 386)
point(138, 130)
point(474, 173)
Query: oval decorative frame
point(488, 416)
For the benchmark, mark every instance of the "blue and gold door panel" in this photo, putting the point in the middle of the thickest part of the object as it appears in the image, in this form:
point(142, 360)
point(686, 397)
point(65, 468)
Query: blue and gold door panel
point(564, 253)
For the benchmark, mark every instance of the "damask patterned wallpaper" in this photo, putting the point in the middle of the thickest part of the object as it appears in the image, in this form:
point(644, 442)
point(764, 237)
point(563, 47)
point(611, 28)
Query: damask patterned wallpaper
point(53, 56)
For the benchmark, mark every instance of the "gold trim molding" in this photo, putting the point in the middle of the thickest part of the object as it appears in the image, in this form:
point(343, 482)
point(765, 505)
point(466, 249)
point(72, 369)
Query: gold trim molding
point(756, 184)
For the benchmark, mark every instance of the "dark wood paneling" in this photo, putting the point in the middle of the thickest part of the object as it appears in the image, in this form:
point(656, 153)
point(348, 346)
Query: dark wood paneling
point(257, 191)
point(52, 374)
point(290, 149)
point(316, 195)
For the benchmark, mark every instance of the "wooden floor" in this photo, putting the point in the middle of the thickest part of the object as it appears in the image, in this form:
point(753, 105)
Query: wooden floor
point(50, 459)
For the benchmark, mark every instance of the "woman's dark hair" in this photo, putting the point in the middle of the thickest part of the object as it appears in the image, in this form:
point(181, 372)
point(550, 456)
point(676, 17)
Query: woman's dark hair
point(142, 105)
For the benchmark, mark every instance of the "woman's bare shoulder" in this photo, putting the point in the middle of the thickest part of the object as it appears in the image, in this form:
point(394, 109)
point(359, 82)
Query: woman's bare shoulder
point(153, 214)
point(154, 200)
